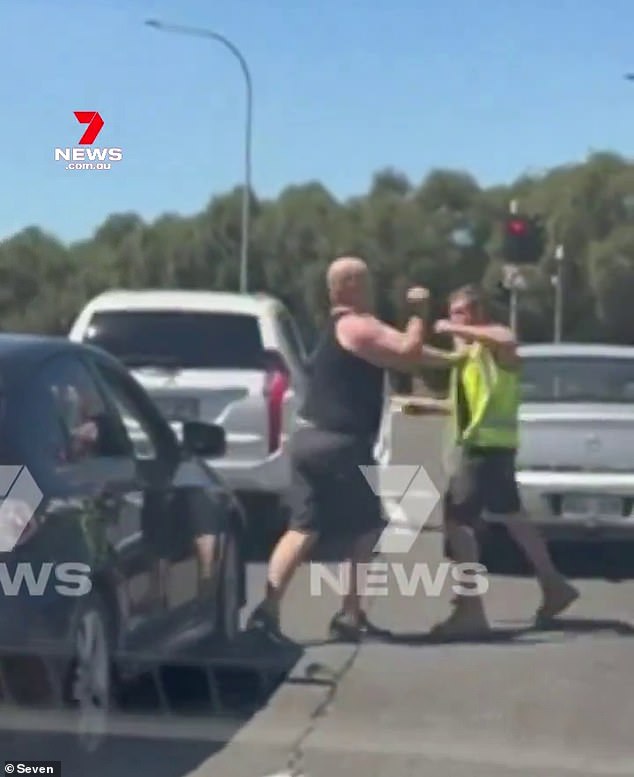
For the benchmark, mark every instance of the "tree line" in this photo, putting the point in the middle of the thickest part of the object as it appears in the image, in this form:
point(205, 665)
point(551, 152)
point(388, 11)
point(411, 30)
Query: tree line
point(441, 233)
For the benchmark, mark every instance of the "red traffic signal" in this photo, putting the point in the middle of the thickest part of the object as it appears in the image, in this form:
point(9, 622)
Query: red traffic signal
point(523, 240)
point(517, 226)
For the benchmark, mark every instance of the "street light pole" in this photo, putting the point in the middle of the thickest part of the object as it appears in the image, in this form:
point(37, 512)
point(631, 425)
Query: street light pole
point(559, 293)
point(246, 191)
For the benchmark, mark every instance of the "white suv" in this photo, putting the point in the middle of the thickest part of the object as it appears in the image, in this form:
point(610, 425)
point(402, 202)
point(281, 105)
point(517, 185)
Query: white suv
point(235, 360)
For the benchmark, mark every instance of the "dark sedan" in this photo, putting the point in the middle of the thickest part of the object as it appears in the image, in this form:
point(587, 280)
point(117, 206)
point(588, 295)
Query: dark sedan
point(118, 544)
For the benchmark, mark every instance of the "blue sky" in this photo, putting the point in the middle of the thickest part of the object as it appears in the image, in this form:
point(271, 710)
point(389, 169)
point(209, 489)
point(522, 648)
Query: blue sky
point(340, 90)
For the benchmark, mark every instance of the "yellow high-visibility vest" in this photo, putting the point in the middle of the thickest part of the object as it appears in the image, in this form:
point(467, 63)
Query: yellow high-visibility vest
point(492, 396)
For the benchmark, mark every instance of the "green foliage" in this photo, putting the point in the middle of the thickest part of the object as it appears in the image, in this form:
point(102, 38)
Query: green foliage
point(442, 233)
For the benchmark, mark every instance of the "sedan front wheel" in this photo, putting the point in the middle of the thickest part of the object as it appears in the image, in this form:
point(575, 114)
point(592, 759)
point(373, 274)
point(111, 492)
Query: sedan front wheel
point(229, 594)
point(89, 684)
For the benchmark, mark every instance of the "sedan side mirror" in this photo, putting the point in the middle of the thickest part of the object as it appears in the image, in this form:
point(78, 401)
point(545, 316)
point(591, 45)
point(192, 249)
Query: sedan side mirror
point(206, 440)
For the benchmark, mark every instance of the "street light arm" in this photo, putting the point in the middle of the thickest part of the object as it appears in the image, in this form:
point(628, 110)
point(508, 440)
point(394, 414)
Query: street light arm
point(202, 33)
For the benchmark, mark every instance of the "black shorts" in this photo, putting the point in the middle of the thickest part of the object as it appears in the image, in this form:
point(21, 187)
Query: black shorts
point(171, 522)
point(329, 493)
point(483, 479)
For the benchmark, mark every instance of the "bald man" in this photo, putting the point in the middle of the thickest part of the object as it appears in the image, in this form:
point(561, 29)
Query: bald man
point(339, 424)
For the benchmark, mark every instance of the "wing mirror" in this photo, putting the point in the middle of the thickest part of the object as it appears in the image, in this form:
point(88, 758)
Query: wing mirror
point(206, 440)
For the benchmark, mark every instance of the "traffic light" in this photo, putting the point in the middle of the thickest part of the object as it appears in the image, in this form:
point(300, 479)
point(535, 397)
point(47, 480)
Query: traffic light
point(523, 240)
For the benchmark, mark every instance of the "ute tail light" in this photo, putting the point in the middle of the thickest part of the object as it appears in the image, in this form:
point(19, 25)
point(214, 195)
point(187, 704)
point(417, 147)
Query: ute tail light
point(276, 385)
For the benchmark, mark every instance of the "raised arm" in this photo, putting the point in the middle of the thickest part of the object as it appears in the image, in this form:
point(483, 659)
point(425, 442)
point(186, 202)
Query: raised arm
point(383, 345)
point(435, 357)
point(499, 338)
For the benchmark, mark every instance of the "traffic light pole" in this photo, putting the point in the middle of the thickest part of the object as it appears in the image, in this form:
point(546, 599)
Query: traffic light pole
point(513, 312)
point(514, 282)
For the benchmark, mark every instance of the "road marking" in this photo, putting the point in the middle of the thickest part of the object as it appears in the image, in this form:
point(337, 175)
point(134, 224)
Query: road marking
point(287, 774)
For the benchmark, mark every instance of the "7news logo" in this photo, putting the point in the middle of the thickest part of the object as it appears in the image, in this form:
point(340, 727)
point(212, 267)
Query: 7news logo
point(20, 499)
point(94, 158)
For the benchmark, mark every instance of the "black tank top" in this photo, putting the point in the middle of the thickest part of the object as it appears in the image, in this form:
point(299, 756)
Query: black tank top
point(344, 392)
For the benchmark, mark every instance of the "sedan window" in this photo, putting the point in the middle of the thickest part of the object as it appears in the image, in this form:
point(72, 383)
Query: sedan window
point(69, 420)
point(138, 427)
point(577, 379)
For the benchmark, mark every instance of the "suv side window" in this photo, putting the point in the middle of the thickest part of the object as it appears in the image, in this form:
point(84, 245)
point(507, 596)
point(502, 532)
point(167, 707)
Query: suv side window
point(69, 418)
point(292, 337)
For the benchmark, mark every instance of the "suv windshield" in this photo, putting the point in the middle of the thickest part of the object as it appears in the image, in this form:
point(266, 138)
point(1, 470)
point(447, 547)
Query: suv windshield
point(179, 339)
point(577, 379)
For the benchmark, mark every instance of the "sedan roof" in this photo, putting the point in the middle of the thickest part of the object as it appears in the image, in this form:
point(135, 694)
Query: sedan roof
point(20, 354)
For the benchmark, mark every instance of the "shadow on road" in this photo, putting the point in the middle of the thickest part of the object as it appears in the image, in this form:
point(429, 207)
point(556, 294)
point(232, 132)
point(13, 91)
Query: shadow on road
point(167, 722)
point(588, 626)
point(520, 635)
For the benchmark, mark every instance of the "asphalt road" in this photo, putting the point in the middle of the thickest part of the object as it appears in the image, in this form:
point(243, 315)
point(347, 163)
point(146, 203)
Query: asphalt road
point(526, 703)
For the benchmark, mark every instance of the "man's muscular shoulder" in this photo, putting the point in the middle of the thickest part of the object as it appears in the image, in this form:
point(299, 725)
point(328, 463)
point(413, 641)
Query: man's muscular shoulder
point(355, 330)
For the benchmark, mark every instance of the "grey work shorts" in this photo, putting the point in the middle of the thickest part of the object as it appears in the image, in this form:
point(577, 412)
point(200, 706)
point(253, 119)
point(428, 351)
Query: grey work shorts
point(483, 479)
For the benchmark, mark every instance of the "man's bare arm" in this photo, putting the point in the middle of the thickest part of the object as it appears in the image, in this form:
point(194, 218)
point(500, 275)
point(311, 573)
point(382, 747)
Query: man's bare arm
point(383, 345)
point(489, 334)
point(435, 357)
point(500, 339)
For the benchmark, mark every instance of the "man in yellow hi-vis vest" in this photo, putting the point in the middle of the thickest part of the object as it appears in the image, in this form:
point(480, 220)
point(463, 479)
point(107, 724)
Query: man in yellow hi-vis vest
point(485, 396)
